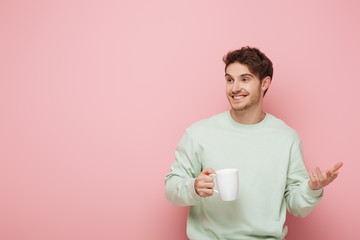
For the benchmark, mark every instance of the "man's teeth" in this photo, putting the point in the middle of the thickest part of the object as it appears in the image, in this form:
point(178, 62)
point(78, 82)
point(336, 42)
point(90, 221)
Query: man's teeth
point(238, 97)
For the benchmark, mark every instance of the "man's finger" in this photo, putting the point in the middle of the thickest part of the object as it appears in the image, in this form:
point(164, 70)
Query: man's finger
point(208, 171)
point(311, 175)
point(314, 176)
point(207, 191)
point(206, 179)
point(209, 185)
point(319, 175)
point(328, 175)
point(206, 185)
point(337, 166)
point(334, 175)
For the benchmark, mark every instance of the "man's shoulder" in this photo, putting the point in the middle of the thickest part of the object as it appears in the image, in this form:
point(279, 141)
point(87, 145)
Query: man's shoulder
point(210, 122)
point(279, 125)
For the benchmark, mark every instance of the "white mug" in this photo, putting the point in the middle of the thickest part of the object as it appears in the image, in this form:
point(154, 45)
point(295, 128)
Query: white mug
point(227, 181)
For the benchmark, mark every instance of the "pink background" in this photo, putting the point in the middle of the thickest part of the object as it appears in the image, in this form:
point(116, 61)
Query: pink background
point(95, 95)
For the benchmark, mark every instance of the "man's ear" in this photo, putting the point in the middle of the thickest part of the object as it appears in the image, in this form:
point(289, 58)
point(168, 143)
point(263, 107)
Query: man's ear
point(266, 83)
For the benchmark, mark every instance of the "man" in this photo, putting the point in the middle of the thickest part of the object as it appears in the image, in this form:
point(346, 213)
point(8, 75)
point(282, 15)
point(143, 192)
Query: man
point(267, 153)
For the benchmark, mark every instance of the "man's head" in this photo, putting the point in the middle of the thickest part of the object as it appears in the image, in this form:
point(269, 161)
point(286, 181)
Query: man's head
point(256, 61)
point(248, 74)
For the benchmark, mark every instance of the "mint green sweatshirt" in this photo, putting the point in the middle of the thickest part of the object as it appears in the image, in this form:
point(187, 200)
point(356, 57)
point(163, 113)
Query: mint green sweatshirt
point(272, 178)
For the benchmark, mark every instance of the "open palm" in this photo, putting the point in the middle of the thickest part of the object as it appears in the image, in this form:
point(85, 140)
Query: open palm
point(323, 178)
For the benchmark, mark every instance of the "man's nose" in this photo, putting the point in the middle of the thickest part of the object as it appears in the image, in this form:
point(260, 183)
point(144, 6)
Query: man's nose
point(236, 86)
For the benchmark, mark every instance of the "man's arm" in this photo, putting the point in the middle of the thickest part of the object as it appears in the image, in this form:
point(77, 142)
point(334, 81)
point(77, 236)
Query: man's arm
point(300, 198)
point(179, 182)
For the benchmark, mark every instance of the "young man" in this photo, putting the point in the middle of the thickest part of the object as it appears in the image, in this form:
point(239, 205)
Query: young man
point(267, 153)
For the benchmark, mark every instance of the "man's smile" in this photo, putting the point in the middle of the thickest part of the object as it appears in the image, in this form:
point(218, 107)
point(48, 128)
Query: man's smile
point(238, 98)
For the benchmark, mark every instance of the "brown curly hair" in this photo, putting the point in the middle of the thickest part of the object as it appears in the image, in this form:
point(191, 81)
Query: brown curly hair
point(257, 62)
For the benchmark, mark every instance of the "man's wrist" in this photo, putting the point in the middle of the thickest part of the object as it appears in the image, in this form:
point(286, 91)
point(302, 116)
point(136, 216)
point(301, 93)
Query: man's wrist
point(193, 191)
point(313, 192)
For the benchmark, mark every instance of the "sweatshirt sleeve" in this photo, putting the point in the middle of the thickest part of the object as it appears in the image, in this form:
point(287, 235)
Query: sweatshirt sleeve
point(300, 198)
point(179, 182)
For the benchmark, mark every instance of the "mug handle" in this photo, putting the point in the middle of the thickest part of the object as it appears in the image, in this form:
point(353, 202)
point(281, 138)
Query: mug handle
point(214, 175)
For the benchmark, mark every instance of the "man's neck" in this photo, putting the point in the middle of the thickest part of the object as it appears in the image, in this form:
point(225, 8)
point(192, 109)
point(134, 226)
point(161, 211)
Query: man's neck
point(248, 117)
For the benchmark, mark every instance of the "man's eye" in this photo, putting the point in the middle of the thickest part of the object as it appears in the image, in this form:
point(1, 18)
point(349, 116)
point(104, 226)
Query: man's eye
point(229, 79)
point(245, 79)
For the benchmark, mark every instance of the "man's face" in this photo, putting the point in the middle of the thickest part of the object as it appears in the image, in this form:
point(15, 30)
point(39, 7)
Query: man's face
point(243, 89)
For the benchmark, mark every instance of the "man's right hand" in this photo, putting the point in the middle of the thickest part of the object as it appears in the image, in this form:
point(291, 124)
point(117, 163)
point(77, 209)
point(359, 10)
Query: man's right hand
point(204, 183)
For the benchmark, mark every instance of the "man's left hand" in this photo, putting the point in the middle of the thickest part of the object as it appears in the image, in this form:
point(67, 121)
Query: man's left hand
point(323, 178)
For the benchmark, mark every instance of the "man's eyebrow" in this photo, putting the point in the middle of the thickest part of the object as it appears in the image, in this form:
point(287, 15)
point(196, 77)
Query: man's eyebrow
point(242, 75)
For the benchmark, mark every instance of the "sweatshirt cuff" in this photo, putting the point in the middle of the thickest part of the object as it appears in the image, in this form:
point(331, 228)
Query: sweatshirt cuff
point(192, 191)
point(312, 193)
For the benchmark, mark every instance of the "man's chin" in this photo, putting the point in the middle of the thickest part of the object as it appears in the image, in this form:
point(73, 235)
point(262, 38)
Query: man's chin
point(238, 109)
